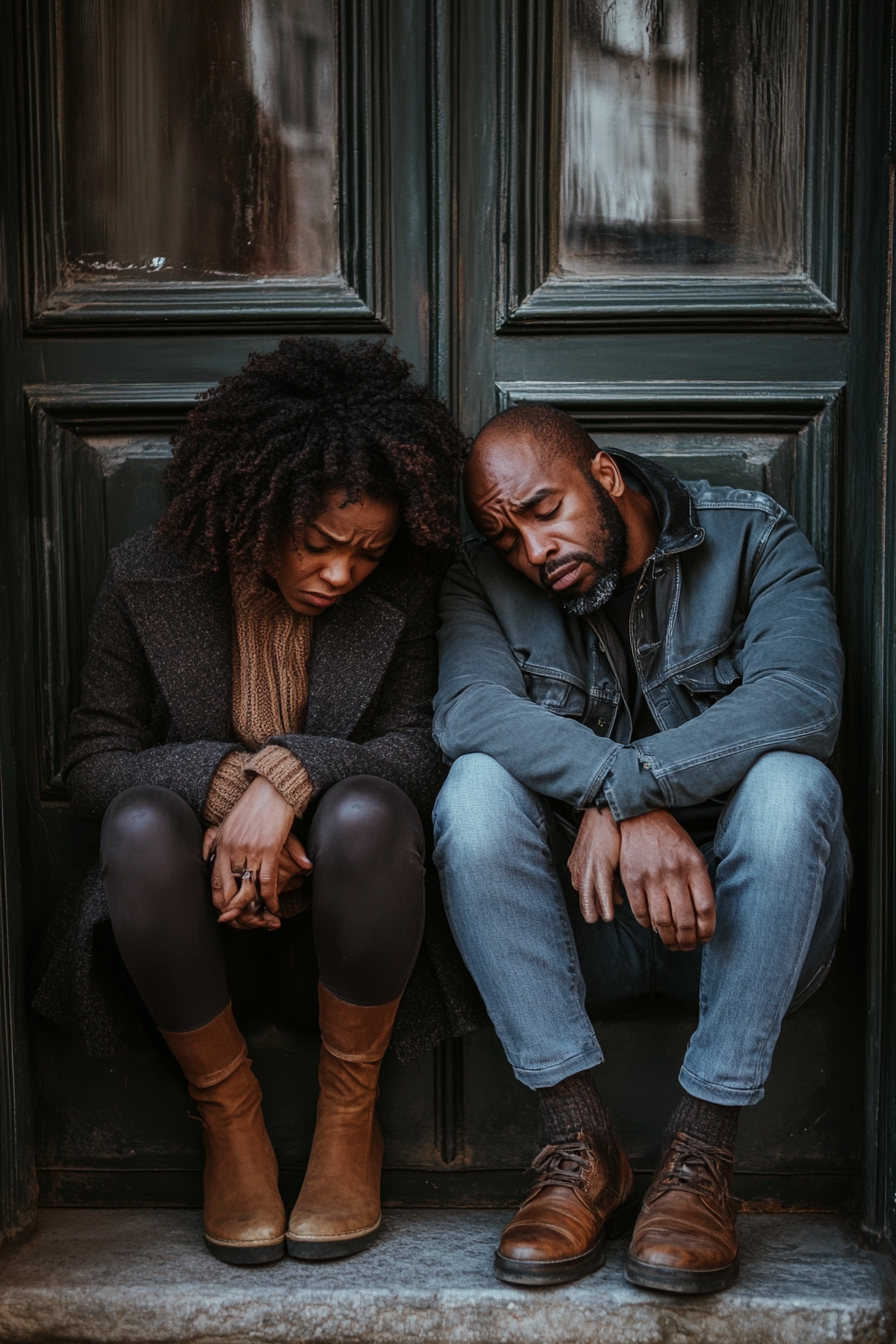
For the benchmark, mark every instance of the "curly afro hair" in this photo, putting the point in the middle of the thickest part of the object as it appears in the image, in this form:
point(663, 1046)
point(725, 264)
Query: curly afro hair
point(261, 452)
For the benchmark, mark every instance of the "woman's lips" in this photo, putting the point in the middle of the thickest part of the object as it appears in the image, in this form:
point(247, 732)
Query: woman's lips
point(567, 578)
point(316, 599)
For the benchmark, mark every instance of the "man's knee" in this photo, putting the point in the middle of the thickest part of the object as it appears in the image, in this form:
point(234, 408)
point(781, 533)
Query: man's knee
point(475, 807)
point(147, 820)
point(476, 796)
point(786, 797)
point(364, 819)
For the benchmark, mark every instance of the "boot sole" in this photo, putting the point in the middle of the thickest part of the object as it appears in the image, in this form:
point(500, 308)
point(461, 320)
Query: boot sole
point(335, 1248)
point(667, 1280)
point(241, 1253)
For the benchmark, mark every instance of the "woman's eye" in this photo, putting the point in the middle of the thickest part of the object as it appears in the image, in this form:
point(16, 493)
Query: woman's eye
point(315, 550)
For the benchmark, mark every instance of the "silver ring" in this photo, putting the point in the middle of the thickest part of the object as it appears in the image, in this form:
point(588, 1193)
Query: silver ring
point(247, 875)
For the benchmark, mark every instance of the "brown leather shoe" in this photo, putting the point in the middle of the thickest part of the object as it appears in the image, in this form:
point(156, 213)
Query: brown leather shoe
point(337, 1212)
point(685, 1239)
point(559, 1233)
point(243, 1214)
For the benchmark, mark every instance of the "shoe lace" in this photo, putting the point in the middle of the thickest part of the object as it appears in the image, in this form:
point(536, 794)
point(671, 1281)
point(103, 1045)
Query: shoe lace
point(564, 1164)
point(691, 1164)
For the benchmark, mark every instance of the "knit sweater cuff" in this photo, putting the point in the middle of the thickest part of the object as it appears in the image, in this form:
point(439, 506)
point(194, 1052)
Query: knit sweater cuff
point(287, 774)
point(227, 787)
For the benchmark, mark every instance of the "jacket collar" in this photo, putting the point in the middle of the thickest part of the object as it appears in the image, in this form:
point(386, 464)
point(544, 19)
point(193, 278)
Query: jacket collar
point(184, 623)
point(351, 647)
point(679, 529)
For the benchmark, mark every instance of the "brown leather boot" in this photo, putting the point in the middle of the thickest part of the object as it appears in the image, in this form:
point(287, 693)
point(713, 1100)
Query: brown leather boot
point(243, 1216)
point(559, 1233)
point(337, 1212)
point(685, 1239)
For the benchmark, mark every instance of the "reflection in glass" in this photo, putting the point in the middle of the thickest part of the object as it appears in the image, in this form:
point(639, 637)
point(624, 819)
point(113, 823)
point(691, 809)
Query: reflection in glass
point(198, 139)
point(680, 144)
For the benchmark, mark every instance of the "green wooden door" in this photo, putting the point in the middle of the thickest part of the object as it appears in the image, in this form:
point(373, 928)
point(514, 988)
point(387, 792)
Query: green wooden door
point(654, 215)
point(666, 216)
point(196, 180)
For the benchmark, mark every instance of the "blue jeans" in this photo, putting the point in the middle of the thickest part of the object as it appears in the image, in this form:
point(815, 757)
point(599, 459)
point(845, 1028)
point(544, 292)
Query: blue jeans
point(780, 867)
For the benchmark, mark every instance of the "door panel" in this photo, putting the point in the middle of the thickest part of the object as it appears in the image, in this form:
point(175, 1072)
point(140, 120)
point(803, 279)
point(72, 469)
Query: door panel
point(668, 161)
point(674, 165)
point(216, 164)
point(198, 143)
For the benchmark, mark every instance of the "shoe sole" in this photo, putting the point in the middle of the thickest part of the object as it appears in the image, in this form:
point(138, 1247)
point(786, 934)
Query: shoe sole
point(331, 1249)
point(542, 1273)
point(239, 1253)
point(667, 1280)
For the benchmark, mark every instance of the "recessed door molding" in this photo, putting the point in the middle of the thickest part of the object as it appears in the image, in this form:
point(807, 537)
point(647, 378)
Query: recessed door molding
point(357, 299)
point(534, 299)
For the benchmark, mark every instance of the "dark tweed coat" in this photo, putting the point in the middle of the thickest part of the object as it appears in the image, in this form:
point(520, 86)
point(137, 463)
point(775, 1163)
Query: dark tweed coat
point(156, 709)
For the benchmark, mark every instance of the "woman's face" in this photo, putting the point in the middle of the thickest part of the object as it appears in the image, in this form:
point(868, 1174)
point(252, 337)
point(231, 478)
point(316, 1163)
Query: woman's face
point(333, 554)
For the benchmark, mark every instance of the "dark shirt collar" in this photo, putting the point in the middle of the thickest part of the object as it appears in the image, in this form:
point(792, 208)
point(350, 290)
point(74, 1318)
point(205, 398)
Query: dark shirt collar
point(679, 529)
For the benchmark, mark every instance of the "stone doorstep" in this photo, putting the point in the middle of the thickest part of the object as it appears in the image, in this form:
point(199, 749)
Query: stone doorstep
point(141, 1276)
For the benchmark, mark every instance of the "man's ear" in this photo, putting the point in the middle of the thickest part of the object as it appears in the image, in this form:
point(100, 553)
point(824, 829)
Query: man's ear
point(605, 471)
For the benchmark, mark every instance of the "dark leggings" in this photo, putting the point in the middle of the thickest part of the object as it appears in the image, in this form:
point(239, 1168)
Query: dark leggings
point(366, 843)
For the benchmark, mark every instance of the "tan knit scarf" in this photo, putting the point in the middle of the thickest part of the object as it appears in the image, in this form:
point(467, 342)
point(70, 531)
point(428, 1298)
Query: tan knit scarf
point(271, 648)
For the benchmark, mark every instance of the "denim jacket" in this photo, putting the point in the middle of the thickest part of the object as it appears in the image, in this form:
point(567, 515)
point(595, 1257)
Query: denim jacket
point(734, 637)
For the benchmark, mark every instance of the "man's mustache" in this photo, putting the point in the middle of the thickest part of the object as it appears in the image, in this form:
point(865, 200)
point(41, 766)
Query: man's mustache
point(552, 567)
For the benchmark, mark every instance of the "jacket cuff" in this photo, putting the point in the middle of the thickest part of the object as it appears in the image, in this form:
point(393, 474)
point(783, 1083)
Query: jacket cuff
point(286, 772)
point(227, 787)
point(630, 787)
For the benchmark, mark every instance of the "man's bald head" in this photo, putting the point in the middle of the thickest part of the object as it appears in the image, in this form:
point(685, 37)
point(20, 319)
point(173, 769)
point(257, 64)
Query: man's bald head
point(551, 432)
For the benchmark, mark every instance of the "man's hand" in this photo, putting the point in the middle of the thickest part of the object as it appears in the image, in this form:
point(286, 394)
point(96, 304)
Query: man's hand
point(253, 836)
point(666, 881)
point(593, 865)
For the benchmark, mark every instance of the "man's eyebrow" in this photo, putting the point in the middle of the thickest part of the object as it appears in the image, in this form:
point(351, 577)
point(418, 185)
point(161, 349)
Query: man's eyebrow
point(533, 500)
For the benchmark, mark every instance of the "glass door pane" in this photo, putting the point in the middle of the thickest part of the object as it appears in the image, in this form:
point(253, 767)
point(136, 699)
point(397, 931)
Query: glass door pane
point(198, 140)
point(679, 137)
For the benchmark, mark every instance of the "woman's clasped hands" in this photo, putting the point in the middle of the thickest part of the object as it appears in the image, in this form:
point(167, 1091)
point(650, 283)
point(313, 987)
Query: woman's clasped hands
point(256, 838)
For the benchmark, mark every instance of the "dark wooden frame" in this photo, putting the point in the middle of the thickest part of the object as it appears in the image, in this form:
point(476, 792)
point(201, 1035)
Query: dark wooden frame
point(533, 299)
point(359, 299)
point(68, 540)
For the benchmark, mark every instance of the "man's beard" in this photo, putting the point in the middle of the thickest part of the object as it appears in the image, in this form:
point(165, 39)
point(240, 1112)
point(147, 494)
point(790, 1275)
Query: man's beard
point(611, 538)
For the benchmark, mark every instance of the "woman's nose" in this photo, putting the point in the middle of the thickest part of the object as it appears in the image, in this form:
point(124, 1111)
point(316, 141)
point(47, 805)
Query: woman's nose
point(337, 572)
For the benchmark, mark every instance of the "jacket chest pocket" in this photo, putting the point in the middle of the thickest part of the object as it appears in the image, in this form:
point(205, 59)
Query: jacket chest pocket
point(555, 693)
point(706, 683)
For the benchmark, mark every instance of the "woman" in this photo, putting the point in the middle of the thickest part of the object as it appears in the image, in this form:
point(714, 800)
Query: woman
point(254, 732)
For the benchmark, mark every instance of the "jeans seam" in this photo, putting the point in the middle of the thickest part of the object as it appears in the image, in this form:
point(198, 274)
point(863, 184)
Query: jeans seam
point(806, 943)
point(780, 1011)
point(573, 966)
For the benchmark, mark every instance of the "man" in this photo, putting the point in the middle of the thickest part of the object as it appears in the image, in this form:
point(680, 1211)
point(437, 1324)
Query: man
point(640, 681)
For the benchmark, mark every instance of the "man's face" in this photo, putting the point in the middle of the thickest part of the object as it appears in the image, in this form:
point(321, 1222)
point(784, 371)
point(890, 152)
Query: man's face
point(550, 520)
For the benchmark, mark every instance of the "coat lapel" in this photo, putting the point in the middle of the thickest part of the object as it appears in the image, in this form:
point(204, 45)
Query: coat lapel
point(185, 626)
point(351, 648)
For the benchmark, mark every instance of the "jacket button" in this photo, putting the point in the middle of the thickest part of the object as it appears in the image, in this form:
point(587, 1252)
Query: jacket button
point(601, 723)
